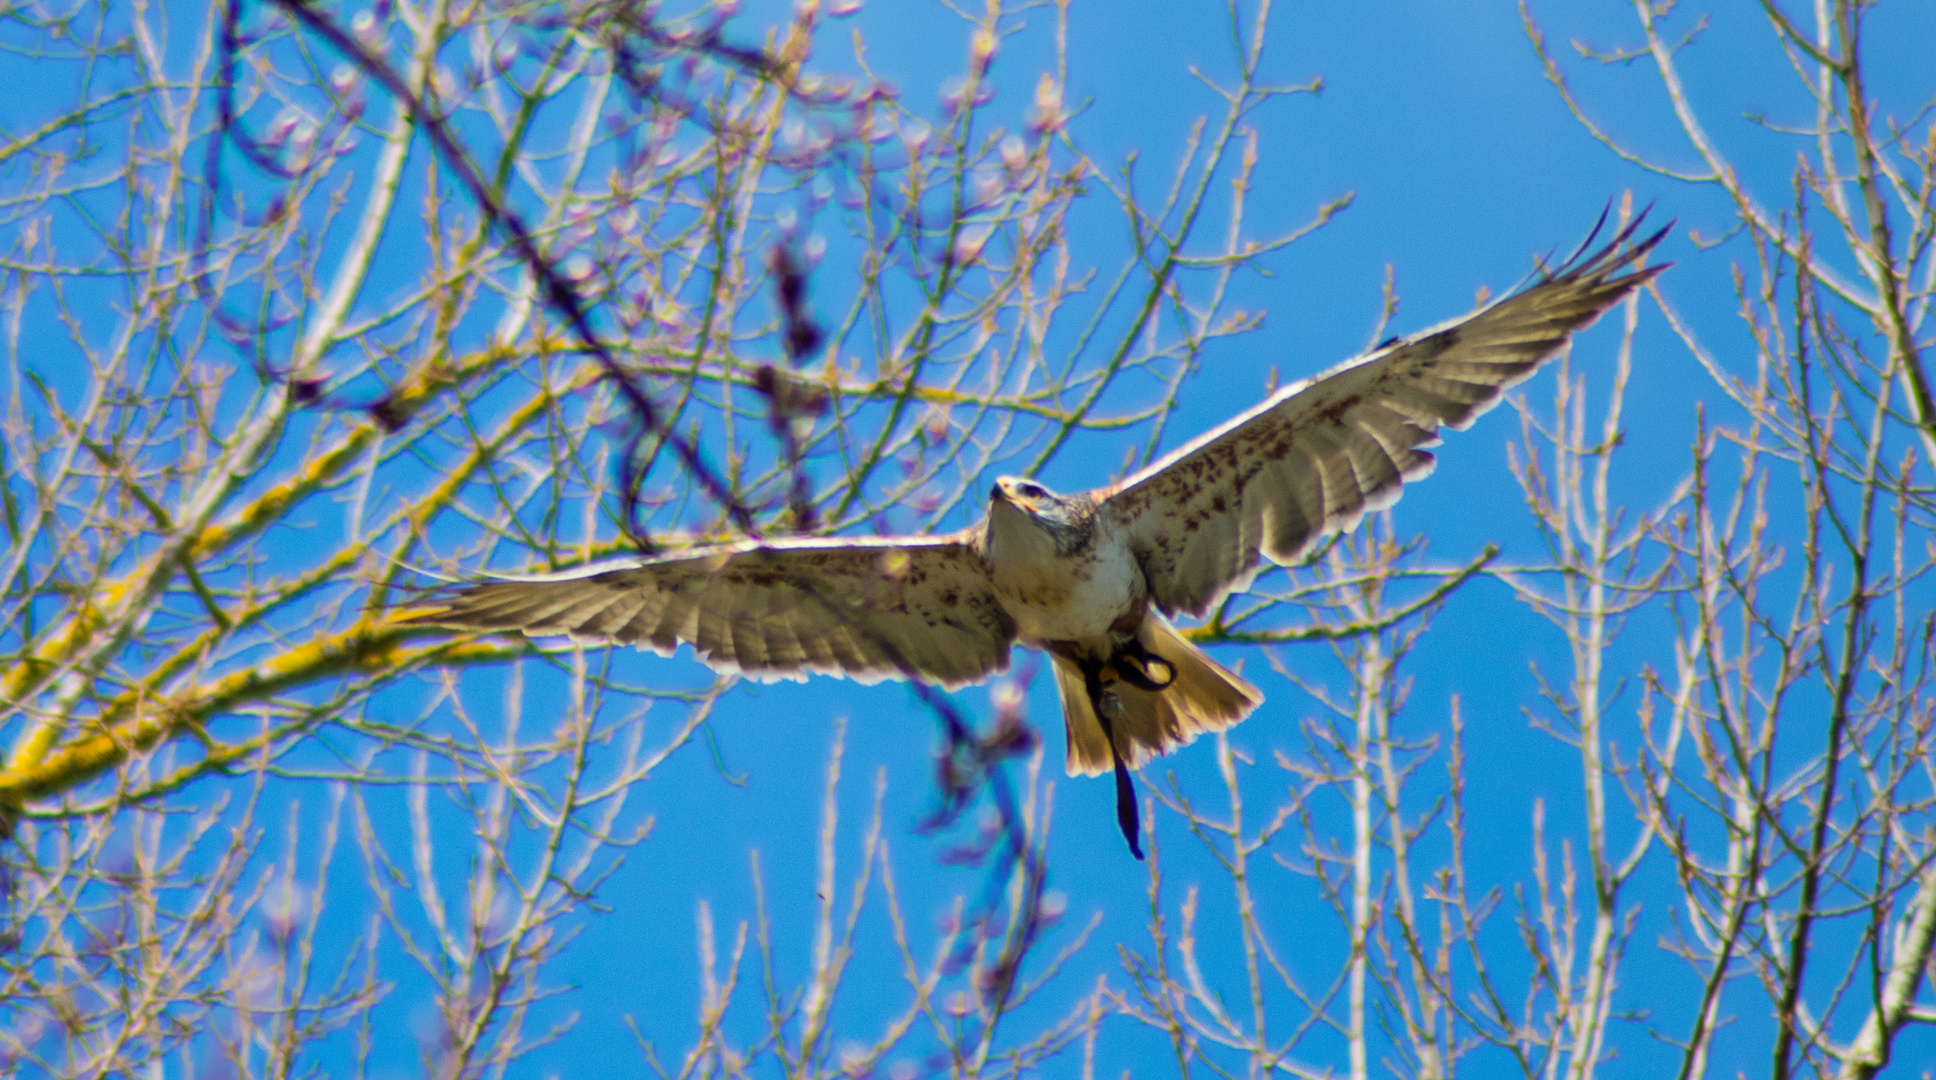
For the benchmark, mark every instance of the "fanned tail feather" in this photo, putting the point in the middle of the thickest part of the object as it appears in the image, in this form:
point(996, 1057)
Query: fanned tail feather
point(1203, 696)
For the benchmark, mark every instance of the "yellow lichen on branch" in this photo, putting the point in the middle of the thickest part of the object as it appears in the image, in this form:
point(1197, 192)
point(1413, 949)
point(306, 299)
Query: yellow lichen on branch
point(135, 723)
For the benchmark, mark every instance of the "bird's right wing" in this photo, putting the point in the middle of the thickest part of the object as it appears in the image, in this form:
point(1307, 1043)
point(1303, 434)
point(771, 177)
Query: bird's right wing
point(869, 609)
point(1312, 459)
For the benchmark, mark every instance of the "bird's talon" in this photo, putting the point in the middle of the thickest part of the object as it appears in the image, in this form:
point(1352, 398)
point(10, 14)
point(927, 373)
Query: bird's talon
point(1112, 706)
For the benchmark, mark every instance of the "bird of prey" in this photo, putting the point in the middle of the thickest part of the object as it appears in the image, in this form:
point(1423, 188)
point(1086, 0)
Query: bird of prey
point(1092, 579)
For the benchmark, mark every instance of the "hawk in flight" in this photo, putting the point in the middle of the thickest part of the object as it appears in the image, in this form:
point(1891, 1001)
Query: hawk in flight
point(1093, 578)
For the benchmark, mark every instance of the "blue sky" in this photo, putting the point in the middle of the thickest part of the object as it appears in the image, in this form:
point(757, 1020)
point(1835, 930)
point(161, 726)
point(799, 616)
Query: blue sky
point(1464, 166)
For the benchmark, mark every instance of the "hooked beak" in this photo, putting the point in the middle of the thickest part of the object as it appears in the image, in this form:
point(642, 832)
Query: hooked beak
point(1000, 496)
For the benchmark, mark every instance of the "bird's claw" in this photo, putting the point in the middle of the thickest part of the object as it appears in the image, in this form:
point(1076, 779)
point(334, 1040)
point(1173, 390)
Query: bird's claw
point(1111, 705)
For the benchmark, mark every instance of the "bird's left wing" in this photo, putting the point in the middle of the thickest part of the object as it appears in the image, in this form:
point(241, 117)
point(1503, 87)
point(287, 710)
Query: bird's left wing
point(866, 608)
point(1319, 453)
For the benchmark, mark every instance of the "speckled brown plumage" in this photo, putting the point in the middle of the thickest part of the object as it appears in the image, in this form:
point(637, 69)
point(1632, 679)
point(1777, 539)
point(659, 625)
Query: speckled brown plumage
point(1312, 459)
point(1086, 577)
point(764, 610)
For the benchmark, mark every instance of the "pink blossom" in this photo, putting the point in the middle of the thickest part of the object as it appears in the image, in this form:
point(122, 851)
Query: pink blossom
point(969, 242)
point(981, 49)
point(1048, 114)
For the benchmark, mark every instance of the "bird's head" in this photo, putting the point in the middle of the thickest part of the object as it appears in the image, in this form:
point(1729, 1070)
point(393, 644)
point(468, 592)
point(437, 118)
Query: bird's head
point(1064, 518)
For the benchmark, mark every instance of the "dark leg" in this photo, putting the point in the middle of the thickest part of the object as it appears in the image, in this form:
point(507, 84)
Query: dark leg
point(1125, 792)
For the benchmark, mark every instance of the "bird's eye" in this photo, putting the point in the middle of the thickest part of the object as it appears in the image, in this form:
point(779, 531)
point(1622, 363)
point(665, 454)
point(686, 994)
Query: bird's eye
point(1032, 491)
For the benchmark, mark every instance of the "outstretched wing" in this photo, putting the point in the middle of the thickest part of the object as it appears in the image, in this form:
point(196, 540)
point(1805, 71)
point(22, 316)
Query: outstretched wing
point(1318, 454)
point(866, 608)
